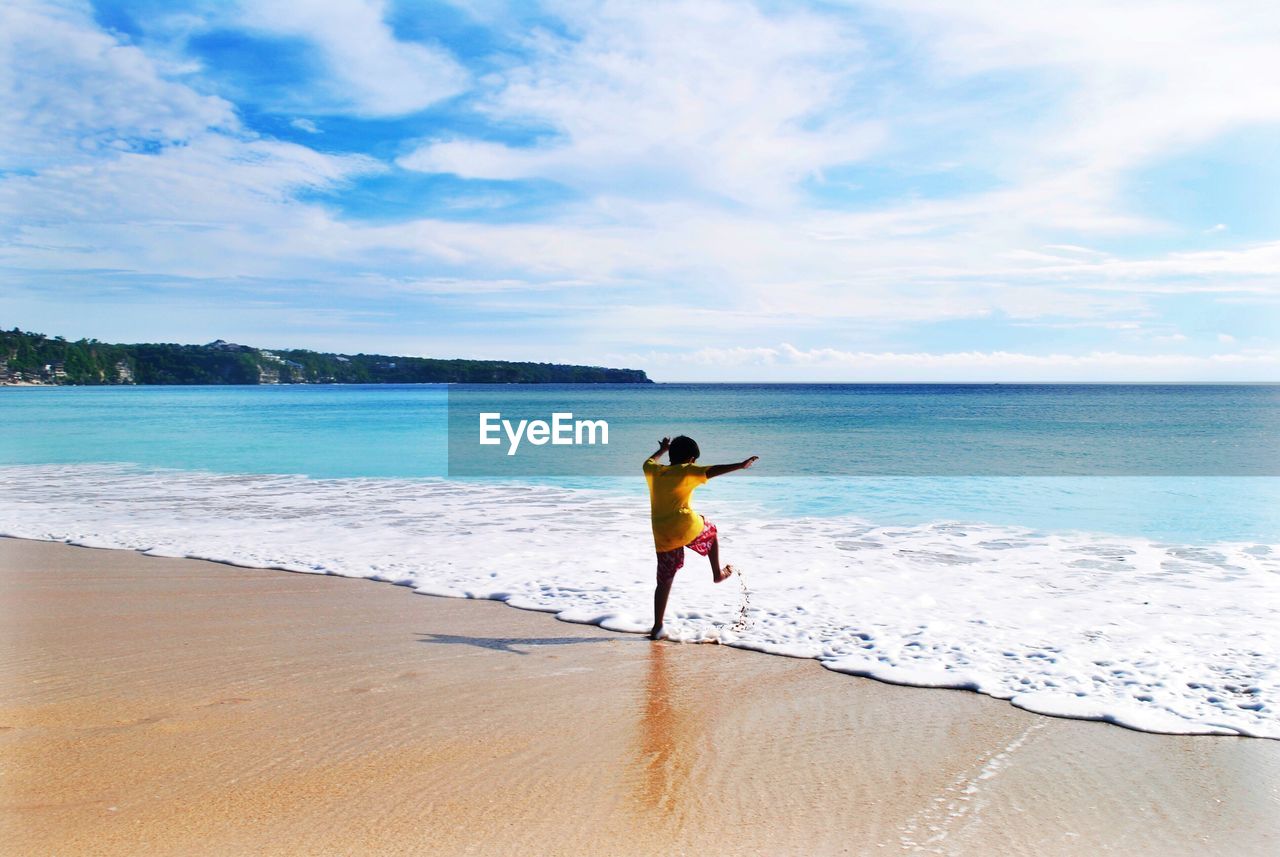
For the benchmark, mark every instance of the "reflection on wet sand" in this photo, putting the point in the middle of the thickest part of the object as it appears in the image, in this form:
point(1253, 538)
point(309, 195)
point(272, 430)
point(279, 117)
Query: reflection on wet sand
point(665, 751)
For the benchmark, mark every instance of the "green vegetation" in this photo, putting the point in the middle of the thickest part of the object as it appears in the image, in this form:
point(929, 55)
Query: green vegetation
point(33, 357)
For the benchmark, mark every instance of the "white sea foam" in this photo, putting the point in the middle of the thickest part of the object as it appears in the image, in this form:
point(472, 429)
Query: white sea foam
point(1153, 636)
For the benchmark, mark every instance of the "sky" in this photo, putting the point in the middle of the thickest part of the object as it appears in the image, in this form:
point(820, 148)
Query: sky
point(710, 191)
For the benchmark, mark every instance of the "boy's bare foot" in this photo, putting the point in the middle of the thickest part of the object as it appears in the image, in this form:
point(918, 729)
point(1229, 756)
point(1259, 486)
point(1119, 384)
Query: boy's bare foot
point(725, 574)
point(657, 633)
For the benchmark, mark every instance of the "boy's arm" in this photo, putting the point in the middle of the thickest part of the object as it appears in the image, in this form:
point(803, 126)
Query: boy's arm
point(663, 446)
point(720, 469)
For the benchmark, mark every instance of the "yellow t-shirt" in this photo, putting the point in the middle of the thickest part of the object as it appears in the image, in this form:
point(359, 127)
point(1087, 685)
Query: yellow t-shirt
point(670, 486)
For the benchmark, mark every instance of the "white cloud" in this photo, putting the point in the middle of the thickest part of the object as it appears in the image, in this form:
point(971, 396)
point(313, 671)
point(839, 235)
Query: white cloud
point(785, 362)
point(218, 206)
point(372, 72)
point(305, 125)
point(966, 256)
point(472, 160)
point(677, 100)
point(69, 91)
point(1138, 79)
point(119, 167)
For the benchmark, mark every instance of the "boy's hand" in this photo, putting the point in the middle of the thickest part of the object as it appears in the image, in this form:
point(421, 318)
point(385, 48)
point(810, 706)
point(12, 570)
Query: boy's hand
point(746, 465)
point(664, 444)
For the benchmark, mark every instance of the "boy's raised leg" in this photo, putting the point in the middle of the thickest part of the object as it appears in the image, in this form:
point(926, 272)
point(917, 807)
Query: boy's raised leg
point(718, 574)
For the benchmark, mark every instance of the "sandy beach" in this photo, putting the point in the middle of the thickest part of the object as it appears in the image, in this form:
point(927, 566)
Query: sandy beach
point(160, 706)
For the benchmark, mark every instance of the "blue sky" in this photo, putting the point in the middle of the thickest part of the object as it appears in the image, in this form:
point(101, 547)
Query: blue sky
point(904, 190)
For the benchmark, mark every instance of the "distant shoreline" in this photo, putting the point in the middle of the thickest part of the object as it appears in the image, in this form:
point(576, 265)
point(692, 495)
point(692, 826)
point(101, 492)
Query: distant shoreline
point(33, 359)
point(50, 385)
point(650, 382)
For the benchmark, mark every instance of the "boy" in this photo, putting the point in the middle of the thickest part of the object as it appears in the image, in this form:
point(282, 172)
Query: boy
point(675, 525)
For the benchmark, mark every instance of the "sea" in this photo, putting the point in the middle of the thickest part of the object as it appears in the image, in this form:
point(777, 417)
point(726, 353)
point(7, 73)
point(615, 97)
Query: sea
point(1106, 552)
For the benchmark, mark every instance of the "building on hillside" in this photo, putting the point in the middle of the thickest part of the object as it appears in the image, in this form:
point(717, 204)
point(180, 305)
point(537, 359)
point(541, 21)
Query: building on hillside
point(124, 373)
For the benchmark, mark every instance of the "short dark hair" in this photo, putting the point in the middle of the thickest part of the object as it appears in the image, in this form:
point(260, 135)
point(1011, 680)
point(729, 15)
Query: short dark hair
point(683, 450)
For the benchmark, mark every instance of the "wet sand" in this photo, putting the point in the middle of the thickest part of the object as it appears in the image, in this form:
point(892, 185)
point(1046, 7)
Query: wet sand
point(158, 706)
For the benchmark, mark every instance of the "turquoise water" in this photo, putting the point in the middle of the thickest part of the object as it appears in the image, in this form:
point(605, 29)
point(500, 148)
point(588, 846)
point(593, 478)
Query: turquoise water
point(893, 429)
point(801, 433)
point(321, 431)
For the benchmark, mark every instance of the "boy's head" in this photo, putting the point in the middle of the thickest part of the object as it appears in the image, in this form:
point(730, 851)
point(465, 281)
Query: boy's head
point(683, 450)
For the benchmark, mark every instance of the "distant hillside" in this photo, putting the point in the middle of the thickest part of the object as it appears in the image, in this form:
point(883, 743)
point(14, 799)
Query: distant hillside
point(33, 358)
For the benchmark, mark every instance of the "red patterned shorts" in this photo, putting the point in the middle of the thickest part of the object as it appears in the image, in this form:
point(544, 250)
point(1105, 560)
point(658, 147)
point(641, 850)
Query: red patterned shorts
point(669, 562)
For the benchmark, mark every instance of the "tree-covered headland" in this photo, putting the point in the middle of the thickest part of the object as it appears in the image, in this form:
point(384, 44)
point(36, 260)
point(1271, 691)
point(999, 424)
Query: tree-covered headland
point(34, 358)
